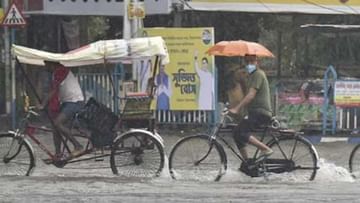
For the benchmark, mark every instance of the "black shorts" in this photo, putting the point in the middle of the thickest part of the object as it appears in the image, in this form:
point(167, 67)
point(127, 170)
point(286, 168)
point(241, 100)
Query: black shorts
point(243, 130)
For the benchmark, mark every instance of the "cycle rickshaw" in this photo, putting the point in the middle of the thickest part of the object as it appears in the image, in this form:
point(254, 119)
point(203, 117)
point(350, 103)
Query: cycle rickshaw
point(132, 152)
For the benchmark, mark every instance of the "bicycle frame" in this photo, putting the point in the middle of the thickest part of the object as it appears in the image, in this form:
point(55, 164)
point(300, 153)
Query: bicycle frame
point(267, 131)
point(234, 151)
point(30, 130)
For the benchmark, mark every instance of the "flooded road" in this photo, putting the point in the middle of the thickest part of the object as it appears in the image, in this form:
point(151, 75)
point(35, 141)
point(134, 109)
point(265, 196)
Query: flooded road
point(94, 182)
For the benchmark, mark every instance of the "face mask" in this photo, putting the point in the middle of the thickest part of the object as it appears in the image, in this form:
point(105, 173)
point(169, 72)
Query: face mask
point(250, 68)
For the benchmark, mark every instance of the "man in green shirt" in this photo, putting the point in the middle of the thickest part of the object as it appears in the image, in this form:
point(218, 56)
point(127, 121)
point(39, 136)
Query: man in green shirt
point(257, 102)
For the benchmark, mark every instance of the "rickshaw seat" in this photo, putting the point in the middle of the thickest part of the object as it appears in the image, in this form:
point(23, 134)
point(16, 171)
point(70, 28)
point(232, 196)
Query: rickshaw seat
point(136, 112)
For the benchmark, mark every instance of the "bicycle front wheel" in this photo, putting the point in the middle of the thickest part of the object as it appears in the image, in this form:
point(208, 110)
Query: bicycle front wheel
point(16, 156)
point(354, 161)
point(197, 157)
point(137, 154)
point(293, 155)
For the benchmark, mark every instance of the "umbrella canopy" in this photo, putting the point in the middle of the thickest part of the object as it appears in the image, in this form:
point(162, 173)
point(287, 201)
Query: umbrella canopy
point(239, 48)
point(104, 51)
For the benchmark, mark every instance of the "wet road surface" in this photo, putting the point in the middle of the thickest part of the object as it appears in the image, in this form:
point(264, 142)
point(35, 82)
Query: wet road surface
point(94, 182)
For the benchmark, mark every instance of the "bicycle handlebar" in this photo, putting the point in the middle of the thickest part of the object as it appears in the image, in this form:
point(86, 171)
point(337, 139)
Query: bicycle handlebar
point(225, 114)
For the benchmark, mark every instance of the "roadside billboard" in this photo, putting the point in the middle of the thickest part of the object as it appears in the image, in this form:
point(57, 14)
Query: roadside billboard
point(188, 82)
point(284, 6)
point(347, 93)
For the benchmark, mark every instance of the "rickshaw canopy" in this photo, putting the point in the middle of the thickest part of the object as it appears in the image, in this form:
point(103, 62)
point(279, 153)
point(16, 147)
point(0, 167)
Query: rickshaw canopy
point(99, 52)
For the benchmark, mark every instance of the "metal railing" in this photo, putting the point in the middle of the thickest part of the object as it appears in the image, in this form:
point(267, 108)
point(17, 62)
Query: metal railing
point(100, 86)
point(348, 118)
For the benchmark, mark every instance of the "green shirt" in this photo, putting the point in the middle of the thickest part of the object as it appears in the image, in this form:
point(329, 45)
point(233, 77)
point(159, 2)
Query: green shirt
point(262, 101)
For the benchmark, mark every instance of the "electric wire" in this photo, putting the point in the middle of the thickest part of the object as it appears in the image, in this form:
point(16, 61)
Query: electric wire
point(305, 1)
point(351, 8)
point(187, 4)
point(266, 6)
point(325, 7)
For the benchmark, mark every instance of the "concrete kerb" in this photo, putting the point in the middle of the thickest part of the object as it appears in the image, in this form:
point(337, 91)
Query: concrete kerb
point(316, 139)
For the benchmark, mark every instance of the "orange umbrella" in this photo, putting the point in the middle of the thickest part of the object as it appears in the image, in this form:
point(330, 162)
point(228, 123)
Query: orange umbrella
point(239, 48)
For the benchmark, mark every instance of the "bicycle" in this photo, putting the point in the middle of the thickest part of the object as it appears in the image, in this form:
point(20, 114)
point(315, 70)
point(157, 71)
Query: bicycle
point(203, 156)
point(135, 152)
point(354, 161)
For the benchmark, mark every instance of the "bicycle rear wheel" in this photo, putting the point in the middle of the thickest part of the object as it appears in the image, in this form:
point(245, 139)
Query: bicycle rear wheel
point(354, 161)
point(293, 155)
point(197, 158)
point(137, 154)
point(16, 156)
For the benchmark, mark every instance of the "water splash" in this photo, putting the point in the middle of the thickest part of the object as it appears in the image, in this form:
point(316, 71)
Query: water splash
point(329, 172)
point(165, 174)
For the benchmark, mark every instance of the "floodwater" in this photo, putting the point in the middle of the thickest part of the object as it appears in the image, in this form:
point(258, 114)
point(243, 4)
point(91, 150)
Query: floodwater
point(94, 182)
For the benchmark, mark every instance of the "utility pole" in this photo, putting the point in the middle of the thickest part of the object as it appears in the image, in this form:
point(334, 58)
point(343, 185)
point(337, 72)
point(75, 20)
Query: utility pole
point(128, 32)
point(8, 87)
point(134, 32)
point(131, 29)
point(12, 18)
point(135, 22)
point(126, 22)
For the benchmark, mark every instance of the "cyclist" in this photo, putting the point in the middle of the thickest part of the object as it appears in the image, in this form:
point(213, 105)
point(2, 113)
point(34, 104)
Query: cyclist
point(53, 111)
point(257, 102)
point(71, 98)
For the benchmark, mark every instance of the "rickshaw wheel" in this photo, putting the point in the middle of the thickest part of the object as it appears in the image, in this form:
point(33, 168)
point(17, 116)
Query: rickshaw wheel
point(137, 154)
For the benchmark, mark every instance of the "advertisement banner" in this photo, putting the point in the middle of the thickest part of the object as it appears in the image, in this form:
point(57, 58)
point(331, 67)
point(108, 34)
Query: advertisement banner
point(271, 6)
point(347, 93)
point(188, 82)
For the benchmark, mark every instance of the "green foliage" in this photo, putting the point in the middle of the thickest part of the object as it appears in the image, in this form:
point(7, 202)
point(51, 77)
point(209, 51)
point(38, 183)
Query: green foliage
point(98, 28)
point(299, 115)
